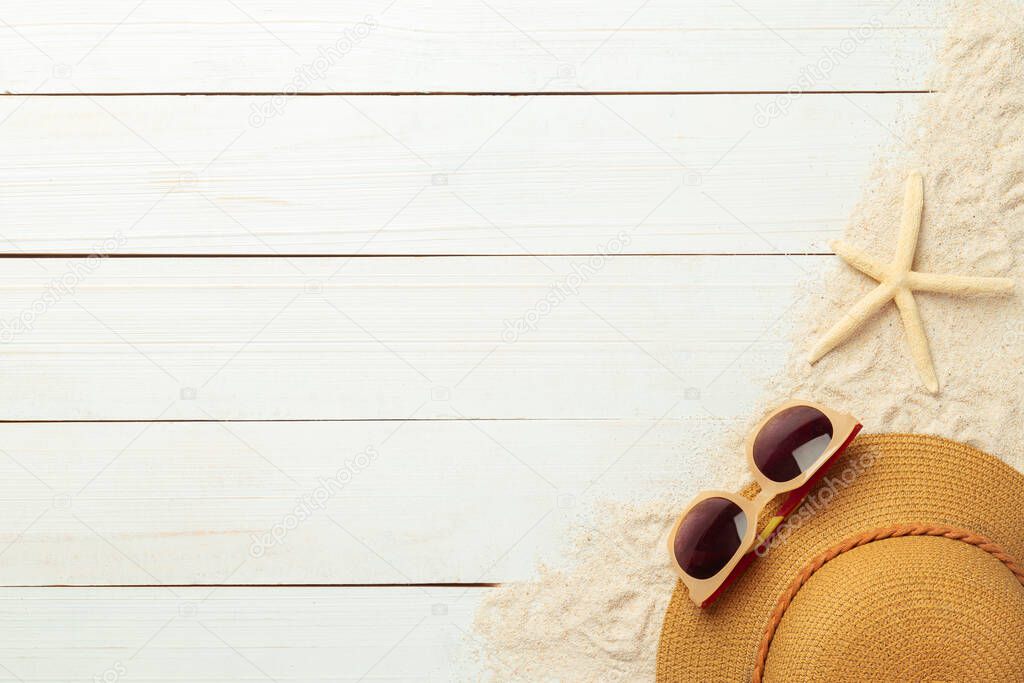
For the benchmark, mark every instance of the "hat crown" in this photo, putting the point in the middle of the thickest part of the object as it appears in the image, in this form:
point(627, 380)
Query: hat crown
point(915, 608)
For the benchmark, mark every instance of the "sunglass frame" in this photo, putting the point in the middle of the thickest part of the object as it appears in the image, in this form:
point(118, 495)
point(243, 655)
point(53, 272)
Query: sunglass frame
point(844, 428)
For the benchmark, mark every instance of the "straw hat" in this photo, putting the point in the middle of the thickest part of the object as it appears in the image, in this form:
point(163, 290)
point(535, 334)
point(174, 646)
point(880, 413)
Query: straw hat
point(904, 564)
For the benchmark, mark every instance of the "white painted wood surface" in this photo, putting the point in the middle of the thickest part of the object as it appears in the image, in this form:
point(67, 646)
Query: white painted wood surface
point(442, 175)
point(444, 448)
point(387, 338)
point(464, 45)
point(450, 501)
point(202, 635)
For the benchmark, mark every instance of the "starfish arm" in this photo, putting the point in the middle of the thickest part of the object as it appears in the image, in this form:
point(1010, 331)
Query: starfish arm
point(848, 324)
point(859, 260)
point(959, 284)
point(910, 223)
point(916, 339)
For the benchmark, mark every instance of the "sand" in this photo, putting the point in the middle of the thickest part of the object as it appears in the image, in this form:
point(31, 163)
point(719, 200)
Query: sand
point(598, 618)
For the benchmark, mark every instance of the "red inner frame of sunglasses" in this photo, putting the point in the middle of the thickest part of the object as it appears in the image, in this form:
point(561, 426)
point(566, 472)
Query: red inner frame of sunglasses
point(792, 502)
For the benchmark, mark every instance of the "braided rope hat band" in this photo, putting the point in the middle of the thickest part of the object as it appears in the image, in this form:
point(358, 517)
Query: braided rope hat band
point(903, 564)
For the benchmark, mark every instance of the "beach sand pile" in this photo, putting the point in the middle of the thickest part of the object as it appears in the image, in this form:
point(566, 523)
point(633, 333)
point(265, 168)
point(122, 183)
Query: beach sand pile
point(598, 618)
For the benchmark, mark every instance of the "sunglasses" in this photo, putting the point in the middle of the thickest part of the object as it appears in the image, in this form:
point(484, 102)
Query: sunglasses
point(716, 538)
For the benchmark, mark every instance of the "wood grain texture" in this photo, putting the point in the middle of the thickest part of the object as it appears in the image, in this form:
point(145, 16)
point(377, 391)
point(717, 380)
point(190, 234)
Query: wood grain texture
point(464, 45)
point(392, 419)
point(450, 175)
point(322, 502)
point(387, 338)
point(235, 634)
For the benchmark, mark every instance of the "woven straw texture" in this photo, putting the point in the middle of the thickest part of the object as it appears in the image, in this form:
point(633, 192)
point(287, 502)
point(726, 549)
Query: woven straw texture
point(938, 603)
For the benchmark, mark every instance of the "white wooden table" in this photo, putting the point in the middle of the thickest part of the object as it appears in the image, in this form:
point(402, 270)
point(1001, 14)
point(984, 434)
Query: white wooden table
point(387, 290)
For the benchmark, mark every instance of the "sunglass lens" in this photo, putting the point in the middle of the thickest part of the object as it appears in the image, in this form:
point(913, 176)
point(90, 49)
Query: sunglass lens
point(791, 442)
point(709, 536)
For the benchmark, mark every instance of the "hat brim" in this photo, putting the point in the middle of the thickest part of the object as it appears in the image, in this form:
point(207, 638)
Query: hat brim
point(882, 480)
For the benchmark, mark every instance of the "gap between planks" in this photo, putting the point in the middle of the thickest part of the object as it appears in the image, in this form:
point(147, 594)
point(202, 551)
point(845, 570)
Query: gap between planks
point(326, 419)
point(467, 585)
point(462, 93)
point(85, 255)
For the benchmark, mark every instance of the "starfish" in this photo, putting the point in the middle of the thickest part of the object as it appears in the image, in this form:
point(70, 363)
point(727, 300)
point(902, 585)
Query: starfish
point(897, 281)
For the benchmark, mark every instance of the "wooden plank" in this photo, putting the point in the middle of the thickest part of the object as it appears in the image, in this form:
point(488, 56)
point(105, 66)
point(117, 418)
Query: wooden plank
point(465, 45)
point(235, 634)
point(322, 502)
point(448, 175)
point(386, 338)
